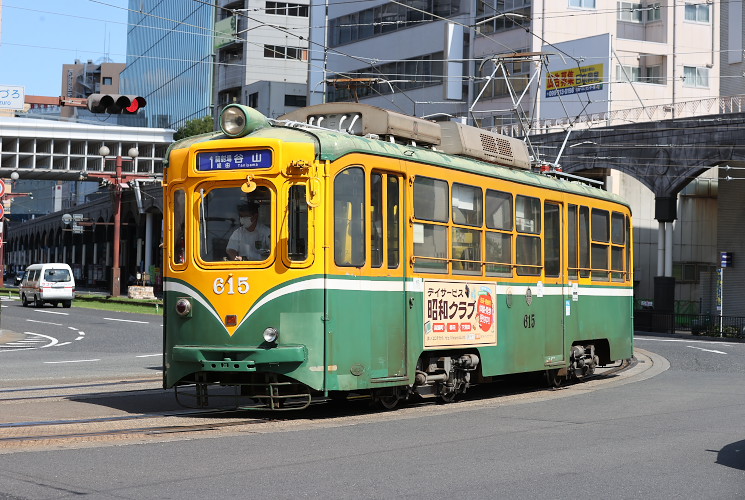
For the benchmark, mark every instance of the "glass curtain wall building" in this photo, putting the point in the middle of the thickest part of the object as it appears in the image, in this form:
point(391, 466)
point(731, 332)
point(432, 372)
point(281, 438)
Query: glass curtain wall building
point(169, 61)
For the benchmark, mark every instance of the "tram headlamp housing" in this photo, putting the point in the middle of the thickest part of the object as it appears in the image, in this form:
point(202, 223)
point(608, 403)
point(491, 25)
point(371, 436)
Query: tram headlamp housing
point(237, 120)
point(271, 335)
point(183, 307)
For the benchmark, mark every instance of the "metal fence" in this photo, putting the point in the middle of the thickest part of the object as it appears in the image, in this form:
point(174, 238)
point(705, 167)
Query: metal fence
point(697, 324)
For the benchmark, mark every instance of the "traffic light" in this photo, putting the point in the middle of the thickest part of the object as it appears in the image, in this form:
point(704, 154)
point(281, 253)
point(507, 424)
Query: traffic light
point(115, 104)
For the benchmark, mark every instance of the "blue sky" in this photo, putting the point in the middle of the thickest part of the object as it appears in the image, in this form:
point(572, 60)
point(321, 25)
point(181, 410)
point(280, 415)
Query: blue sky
point(38, 37)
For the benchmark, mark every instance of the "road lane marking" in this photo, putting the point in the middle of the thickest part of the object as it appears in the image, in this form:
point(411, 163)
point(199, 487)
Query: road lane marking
point(63, 343)
point(707, 350)
point(71, 361)
point(51, 312)
point(128, 321)
point(52, 342)
point(148, 355)
point(44, 322)
point(684, 341)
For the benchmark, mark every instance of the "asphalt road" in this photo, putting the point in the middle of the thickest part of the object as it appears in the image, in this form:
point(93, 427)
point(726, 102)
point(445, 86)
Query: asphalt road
point(674, 431)
point(38, 345)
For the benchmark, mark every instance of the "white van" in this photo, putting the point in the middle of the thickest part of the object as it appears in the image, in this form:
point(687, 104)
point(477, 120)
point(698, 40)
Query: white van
point(52, 283)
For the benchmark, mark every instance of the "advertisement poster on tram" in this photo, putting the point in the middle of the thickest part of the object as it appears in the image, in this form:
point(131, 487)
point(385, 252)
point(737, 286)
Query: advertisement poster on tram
point(459, 314)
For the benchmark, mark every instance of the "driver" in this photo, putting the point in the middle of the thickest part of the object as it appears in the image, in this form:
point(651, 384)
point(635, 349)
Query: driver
point(250, 241)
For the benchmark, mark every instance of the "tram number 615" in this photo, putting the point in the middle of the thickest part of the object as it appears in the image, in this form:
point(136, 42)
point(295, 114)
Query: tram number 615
point(529, 321)
point(220, 285)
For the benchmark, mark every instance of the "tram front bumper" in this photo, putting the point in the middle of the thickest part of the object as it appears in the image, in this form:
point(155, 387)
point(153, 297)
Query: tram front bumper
point(238, 359)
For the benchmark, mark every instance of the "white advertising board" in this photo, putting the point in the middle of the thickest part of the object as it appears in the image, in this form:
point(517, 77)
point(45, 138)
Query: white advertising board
point(12, 97)
point(577, 78)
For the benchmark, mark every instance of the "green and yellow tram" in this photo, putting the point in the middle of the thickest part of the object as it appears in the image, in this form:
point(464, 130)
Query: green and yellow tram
point(349, 249)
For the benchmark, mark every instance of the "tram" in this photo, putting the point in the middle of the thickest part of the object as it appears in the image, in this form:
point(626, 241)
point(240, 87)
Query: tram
point(347, 249)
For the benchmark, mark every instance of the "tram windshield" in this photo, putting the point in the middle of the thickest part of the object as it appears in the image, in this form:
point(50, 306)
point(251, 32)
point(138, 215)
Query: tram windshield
point(235, 226)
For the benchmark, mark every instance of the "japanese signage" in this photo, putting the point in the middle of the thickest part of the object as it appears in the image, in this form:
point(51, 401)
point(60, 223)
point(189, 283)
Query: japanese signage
point(12, 97)
point(575, 80)
point(234, 160)
point(458, 314)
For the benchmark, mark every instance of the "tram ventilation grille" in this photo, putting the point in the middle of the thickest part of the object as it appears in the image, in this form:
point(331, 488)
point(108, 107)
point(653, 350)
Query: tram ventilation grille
point(496, 146)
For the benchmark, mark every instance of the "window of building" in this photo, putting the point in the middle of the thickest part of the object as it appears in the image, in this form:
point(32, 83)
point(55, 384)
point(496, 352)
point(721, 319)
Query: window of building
point(107, 80)
point(654, 13)
point(349, 217)
point(652, 74)
point(629, 12)
point(697, 12)
point(628, 73)
point(583, 4)
point(695, 77)
point(253, 100)
point(389, 17)
point(297, 101)
point(280, 52)
point(286, 9)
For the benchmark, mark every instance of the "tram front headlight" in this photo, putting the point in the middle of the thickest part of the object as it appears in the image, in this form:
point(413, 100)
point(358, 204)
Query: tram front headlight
point(271, 335)
point(183, 307)
point(237, 120)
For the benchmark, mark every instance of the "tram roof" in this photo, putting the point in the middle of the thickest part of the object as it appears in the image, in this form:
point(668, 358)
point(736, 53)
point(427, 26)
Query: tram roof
point(331, 146)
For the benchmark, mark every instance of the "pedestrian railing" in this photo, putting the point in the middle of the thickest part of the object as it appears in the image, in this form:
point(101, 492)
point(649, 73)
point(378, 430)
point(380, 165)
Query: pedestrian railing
point(697, 324)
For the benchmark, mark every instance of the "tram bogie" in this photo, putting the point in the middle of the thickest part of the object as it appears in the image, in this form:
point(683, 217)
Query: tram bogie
point(303, 262)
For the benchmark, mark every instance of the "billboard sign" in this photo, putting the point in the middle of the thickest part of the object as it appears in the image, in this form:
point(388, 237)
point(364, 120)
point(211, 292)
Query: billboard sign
point(459, 314)
point(577, 78)
point(12, 97)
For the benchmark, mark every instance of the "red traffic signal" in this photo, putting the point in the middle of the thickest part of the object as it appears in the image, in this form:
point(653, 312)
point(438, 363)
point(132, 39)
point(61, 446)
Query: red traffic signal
point(115, 104)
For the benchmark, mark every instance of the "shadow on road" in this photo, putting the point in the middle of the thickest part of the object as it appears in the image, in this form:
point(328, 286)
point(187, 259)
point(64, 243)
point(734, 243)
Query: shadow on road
point(732, 455)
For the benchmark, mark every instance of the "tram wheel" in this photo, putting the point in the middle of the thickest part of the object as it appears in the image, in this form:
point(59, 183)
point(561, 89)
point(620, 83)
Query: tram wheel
point(553, 379)
point(386, 399)
point(446, 398)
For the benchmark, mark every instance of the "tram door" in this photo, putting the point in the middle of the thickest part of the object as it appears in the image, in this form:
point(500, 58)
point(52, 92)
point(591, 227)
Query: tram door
point(555, 283)
point(388, 328)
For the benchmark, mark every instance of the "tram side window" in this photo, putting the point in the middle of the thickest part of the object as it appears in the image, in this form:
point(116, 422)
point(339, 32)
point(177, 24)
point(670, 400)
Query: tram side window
point(179, 227)
point(528, 248)
point(394, 226)
point(600, 240)
point(349, 217)
point(297, 240)
point(466, 243)
point(499, 217)
point(584, 242)
point(431, 203)
point(618, 240)
point(552, 240)
point(376, 219)
point(572, 241)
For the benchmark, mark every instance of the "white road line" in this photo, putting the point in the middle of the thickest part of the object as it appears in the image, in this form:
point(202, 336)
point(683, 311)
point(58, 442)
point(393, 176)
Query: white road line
point(71, 361)
point(707, 350)
point(682, 340)
point(63, 343)
point(52, 342)
point(44, 322)
point(72, 328)
point(80, 338)
point(51, 312)
point(148, 355)
point(128, 320)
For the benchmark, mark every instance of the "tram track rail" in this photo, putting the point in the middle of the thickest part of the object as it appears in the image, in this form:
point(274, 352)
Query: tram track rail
point(186, 423)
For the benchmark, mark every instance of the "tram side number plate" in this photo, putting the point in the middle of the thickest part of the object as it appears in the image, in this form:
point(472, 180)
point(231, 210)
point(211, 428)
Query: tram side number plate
point(234, 160)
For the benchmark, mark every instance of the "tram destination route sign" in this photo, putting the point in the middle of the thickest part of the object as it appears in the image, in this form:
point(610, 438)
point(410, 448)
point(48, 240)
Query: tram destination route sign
point(234, 160)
